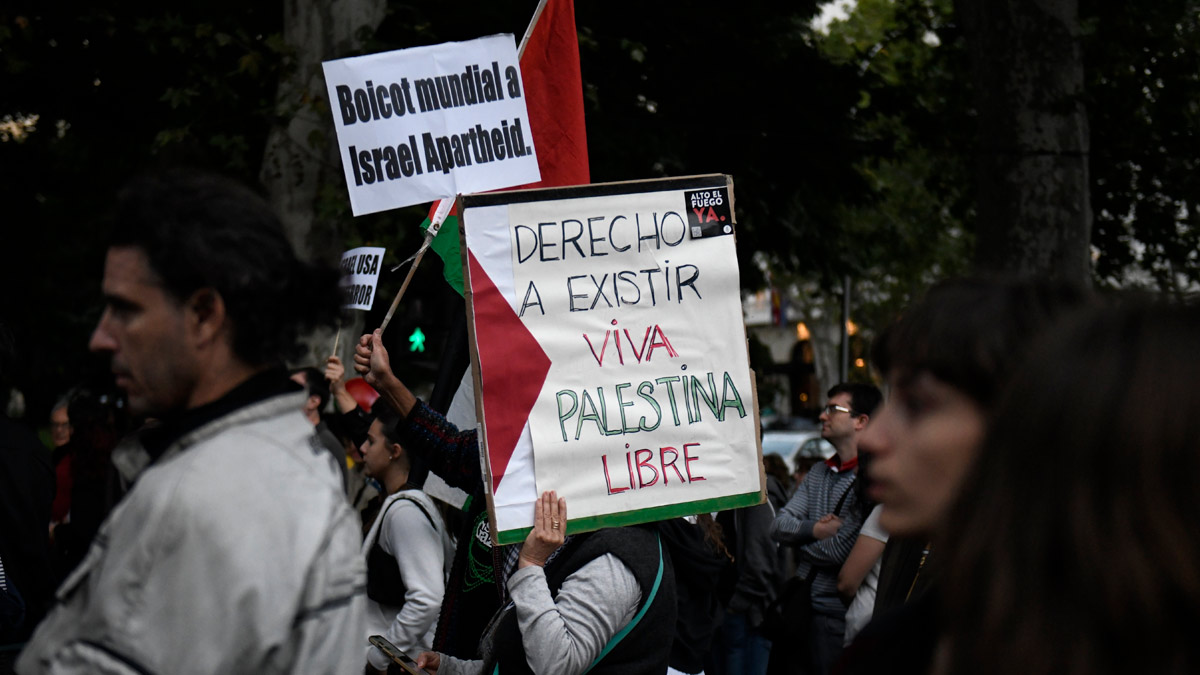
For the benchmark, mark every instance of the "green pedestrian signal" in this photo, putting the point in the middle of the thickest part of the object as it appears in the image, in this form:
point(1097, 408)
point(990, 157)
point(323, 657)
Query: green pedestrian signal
point(418, 341)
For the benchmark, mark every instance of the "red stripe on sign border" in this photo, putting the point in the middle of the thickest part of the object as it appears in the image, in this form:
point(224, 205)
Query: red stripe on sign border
point(512, 369)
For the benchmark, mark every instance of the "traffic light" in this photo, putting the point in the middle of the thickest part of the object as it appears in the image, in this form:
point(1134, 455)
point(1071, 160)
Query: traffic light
point(416, 340)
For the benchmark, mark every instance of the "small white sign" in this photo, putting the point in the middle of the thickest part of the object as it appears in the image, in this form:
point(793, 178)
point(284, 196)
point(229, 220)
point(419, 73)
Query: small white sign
point(420, 124)
point(360, 276)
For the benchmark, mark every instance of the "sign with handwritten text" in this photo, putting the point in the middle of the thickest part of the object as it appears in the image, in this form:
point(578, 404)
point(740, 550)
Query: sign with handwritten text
point(610, 352)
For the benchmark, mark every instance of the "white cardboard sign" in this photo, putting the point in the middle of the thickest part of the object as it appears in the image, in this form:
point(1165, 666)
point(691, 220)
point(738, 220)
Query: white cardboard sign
point(360, 276)
point(416, 125)
point(633, 378)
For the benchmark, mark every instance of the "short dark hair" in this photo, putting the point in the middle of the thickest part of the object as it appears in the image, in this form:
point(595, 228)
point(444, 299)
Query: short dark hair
point(1081, 517)
point(806, 463)
point(863, 503)
point(864, 398)
point(972, 333)
point(774, 465)
point(316, 384)
point(200, 230)
point(391, 421)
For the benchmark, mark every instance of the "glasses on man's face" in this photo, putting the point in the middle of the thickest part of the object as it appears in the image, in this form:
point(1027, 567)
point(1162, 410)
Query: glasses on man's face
point(832, 408)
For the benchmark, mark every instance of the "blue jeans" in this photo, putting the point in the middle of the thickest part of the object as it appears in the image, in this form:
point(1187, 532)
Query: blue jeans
point(746, 650)
point(825, 637)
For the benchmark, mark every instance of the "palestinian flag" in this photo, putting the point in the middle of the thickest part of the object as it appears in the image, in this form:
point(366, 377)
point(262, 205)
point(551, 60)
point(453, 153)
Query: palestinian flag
point(445, 245)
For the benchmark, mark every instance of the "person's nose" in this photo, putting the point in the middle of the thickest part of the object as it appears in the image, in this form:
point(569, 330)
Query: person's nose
point(874, 438)
point(102, 339)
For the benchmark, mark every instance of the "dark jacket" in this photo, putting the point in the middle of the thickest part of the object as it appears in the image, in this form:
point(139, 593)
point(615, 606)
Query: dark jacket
point(696, 566)
point(26, 490)
point(900, 641)
point(753, 581)
point(472, 595)
point(643, 649)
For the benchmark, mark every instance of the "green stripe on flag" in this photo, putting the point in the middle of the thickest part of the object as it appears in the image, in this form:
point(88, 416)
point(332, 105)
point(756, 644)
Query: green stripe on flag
point(642, 515)
point(445, 244)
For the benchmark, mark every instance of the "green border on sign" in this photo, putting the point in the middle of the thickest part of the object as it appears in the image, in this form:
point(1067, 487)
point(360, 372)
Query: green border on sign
point(575, 526)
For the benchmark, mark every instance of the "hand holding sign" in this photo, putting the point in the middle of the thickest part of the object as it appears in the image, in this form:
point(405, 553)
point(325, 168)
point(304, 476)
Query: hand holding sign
point(549, 530)
point(371, 359)
point(334, 370)
point(372, 362)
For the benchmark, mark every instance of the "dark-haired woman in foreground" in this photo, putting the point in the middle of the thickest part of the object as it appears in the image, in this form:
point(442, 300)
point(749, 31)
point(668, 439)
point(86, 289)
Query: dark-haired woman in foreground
point(948, 361)
point(1077, 550)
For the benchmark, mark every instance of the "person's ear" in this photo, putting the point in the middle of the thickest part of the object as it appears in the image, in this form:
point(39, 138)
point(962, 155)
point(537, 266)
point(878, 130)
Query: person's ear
point(861, 422)
point(206, 315)
point(395, 451)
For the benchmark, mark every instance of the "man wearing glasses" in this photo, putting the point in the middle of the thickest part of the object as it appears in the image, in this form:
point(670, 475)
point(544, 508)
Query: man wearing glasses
point(822, 521)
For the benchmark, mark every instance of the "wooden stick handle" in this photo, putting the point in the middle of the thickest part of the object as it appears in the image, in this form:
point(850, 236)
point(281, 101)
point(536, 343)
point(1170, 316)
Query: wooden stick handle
point(537, 14)
point(404, 287)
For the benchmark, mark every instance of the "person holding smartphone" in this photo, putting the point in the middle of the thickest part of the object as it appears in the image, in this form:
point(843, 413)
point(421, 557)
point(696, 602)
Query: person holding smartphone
point(406, 548)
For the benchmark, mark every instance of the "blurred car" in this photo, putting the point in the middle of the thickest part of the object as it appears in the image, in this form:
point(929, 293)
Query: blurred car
point(793, 445)
point(798, 423)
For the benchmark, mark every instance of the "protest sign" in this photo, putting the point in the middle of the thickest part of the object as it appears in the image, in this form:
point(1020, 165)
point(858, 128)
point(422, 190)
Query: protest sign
point(609, 352)
point(419, 124)
point(360, 276)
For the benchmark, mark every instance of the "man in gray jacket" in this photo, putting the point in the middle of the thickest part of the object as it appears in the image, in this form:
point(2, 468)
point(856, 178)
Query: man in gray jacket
point(234, 550)
point(821, 519)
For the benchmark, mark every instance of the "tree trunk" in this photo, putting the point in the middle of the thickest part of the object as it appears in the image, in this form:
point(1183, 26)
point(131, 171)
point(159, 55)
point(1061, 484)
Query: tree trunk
point(1033, 210)
point(826, 341)
point(301, 155)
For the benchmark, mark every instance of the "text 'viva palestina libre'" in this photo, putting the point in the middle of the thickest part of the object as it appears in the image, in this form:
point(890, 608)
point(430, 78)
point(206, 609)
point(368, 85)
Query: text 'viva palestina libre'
point(629, 408)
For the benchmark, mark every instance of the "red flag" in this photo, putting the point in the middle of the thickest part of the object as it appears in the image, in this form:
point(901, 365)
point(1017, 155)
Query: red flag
point(554, 96)
point(554, 99)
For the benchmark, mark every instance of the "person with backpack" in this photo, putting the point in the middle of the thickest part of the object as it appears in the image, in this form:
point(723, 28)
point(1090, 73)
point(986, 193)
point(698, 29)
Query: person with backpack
point(591, 602)
point(407, 548)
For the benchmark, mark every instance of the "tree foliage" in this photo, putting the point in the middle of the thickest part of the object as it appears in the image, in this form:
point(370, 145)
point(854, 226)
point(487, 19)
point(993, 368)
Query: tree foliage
point(734, 88)
point(912, 122)
point(1143, 98)
point(670, 90)
point(115, 88)
point(851, 150)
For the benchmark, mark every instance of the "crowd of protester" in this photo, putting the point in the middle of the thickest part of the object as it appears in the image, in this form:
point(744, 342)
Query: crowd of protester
point(1021, 500)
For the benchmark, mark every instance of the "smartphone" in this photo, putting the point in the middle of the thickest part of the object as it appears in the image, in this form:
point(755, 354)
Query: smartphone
point(398, 657)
